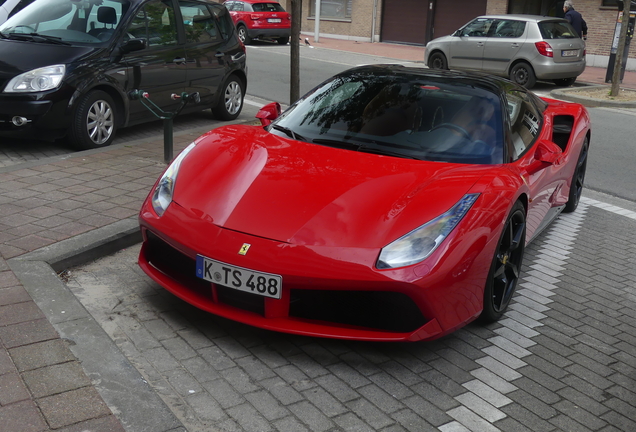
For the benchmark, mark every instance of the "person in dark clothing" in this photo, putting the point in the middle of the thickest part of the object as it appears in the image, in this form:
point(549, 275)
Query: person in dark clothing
point(575, 19)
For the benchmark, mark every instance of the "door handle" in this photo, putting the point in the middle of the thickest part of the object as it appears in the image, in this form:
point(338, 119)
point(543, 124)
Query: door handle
point(515, 45)
point(480, 44)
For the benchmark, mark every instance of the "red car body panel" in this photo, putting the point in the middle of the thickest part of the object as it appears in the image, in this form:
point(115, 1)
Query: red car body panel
point(319, 217)
point(257, 21)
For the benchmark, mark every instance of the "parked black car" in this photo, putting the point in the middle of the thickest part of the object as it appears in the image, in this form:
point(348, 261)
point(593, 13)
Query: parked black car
point(68, 67)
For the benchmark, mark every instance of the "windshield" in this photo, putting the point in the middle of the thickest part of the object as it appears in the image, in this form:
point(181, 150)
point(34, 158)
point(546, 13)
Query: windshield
point(404, 115)
point(68, 21)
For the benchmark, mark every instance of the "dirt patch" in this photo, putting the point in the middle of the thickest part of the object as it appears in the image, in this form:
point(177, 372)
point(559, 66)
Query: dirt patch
point(624, 95)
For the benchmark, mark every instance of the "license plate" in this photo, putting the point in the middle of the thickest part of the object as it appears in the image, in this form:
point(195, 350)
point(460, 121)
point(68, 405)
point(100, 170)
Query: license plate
point(569, 53)
point(274, 20)
point(239, 278)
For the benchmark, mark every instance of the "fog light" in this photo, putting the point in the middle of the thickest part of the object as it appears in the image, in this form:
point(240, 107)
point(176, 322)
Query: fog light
point(20, 121)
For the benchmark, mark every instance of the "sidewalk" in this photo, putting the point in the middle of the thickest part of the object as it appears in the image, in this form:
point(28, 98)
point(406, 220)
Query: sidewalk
point(43, 386)
point(592, 75)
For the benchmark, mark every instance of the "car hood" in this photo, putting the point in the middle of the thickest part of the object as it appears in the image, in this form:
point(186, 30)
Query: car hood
point(245, 179)
point(22, 56)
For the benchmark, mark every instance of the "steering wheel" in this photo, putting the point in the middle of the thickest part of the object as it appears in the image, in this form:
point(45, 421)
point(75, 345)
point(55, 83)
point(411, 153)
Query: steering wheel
point(456, 128)
point(438, 117)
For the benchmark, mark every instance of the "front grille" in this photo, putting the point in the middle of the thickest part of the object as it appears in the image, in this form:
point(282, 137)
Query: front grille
point(380, 310)
point(173, 263)
point(182, 269)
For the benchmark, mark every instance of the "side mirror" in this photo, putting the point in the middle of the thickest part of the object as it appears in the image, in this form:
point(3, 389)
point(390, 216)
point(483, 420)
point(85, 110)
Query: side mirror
point(131, 45)
point(269, 113)
point(548, 152)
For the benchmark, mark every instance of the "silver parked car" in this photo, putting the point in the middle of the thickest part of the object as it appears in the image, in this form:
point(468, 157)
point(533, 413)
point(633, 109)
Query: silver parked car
point(525, 48)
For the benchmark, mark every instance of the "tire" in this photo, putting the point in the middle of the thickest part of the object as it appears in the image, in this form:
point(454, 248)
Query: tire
point(243, 36)
point(283, 40)
point(564, 82)
point(578, 179)
point(95, 121)
point(230, 101)
point(506, 266)
point(523, 74)
point(437, 61)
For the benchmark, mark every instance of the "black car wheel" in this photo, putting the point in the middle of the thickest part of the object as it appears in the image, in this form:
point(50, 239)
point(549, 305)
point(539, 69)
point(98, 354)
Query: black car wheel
point(283, 40)
point(438, 61)
point(506, 265)
point(243, 36)
point(564, 82)
point(578, 179)
point(231, 100)
point(94, 123)
point(523, 74)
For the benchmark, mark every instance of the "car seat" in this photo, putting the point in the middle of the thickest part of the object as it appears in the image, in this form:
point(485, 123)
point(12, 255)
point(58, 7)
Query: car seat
point(107, 16)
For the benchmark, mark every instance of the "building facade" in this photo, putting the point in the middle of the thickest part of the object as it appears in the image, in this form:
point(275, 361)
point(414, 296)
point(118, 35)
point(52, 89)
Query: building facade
point(416, 22)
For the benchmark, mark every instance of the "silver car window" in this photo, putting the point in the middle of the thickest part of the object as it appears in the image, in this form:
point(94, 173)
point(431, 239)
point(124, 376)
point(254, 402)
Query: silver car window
point(508, 28)
point(525, 122)
point(477, 28)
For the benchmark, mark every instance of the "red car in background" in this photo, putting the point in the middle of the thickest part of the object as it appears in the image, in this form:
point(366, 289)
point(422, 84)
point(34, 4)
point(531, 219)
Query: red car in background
point(257, 19)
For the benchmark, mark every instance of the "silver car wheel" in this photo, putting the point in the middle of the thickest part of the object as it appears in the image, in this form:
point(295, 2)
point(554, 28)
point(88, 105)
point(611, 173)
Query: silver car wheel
point(233, 97)
point(100, 122)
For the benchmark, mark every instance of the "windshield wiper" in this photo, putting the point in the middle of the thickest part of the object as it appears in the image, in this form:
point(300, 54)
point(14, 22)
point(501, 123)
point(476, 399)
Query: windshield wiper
point(290, 133)
point(349, 145)
point(36, 37)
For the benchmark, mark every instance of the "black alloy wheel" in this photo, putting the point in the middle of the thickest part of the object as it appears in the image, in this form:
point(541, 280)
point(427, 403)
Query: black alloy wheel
point(438, 61)
point(230, 103)
point(95, 121)
point(506, 266)
point(523, 74)
point(283, 40)
point(578, 179)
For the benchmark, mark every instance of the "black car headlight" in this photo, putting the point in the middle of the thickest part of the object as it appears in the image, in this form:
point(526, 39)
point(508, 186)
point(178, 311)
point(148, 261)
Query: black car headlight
point(420, 243)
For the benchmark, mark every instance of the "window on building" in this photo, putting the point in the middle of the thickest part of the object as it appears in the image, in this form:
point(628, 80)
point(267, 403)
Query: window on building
point(331, 8)
point(609, 3)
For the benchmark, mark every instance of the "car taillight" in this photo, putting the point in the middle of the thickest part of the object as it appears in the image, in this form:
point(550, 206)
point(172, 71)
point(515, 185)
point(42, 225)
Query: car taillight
point(255, 17)
point(544, 49)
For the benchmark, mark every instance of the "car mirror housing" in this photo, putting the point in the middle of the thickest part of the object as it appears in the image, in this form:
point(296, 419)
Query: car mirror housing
point(548, 152)
point(269, 113)
point(131, 45)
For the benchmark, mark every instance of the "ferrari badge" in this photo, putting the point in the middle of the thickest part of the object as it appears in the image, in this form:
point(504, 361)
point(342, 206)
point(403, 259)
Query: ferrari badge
point(244, 249)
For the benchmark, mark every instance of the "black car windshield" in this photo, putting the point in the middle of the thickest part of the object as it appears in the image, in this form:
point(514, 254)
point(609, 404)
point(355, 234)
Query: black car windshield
point(411, 115)
point(66, 21)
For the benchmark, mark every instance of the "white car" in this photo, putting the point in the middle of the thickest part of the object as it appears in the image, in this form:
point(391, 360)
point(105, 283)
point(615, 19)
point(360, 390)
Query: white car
point(524, 48)
point(10, 7)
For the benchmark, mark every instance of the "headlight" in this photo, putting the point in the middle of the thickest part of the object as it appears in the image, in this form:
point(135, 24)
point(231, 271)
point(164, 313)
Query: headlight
point(162, 197)
point(37, 80)
point(421, 242)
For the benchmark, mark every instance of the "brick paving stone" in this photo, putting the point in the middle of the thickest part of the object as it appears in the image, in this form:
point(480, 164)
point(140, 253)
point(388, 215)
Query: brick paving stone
point(38, 355)
point(409, 421)
point(55, 379)
point(22, 417)
point(13, 389)
point(369, 412)
point(71, 407)
point(102, 424)
point(398, 388)
point(12, 295)
point(27, 332)
point(249, 418)
point(573, 411)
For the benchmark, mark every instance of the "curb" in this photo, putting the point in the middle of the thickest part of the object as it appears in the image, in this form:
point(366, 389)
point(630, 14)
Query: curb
point(123, 388)
point(566, 94)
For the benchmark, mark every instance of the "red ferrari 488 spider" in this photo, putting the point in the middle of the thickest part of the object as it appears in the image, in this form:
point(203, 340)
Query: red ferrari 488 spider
point(387, 204)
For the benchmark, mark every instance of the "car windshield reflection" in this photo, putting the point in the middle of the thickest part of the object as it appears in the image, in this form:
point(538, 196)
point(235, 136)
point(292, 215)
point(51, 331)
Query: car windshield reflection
point(67, 21)
point(401, 115)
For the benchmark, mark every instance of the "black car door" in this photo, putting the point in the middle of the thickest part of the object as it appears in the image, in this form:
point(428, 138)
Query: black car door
point(204, 50)
point(160, 68)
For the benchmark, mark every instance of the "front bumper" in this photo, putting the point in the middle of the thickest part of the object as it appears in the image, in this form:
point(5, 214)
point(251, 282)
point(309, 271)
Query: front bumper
point(327, 292)
point(37, 116)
